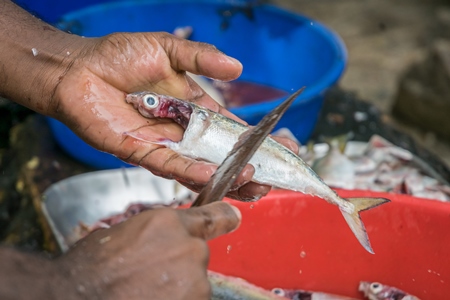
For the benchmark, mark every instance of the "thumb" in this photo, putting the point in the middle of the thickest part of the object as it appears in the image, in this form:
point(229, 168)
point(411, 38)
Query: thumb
point(212, 220)
point(200, 58)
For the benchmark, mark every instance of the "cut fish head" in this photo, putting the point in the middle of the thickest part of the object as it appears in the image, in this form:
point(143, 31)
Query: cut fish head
point(152, 105)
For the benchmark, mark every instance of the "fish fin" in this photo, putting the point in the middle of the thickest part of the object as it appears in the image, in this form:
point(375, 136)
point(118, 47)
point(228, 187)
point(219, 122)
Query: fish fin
point(354, 220)
point(141, 137)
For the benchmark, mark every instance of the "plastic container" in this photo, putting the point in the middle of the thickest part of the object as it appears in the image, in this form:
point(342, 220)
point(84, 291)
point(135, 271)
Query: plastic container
point(286, 239)
point(80, 150)
point(52, 10)
point(278, 48)
point(91, 196)
point(290, 240)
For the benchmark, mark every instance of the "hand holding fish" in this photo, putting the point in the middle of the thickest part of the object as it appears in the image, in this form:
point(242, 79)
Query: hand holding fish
point(83, 82)
point(158, 254)
point(91, 97)
point(146, 258)
point(95, 74)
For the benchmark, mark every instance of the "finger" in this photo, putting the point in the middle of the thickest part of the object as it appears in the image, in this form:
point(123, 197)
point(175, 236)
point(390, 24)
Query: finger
point(206, 101)
point(160, 160)
point(223, 111)
point(288, 143)
point(211, 220)
point(244, 177)
point(181, 168)
point(250, 192)
point(199, 58)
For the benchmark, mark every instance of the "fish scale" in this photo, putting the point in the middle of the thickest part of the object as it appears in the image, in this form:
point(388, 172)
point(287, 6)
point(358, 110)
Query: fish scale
point(284, 169)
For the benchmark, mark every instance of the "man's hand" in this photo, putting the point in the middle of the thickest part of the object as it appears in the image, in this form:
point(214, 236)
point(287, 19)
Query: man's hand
point(158, 254)
point(83, 83)
point(90, 99)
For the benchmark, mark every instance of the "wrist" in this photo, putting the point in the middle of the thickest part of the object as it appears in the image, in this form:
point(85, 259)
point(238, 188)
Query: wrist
point(29, 276)
point(33, 58)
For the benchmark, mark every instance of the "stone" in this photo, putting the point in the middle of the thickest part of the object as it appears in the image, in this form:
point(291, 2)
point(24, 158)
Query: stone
point(423, 97)
point(443, 21)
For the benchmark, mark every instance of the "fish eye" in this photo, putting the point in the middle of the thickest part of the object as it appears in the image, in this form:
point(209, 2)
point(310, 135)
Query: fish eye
point(150, 101)
point(278, 292)
point(376, 287)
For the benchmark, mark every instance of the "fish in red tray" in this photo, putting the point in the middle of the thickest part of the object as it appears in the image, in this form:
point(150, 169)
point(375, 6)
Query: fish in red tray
point(378, 291)
point(307, 295)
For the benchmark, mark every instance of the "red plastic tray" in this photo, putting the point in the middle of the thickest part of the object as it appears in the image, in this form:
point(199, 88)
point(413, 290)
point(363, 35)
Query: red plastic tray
point(291, 240)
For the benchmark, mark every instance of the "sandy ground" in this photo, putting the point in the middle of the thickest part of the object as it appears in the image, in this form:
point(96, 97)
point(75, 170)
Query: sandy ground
point(383, 38)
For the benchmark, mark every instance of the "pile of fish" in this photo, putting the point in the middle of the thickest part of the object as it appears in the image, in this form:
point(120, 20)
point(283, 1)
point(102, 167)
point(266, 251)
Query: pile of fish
point(377, 166)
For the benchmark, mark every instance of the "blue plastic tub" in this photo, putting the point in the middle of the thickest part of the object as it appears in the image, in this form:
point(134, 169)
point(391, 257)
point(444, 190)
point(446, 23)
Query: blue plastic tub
point(278, 48)
point(52, 10)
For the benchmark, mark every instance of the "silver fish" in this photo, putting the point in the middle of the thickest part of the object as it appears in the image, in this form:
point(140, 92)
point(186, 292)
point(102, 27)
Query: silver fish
point(234, 288)
point(243, 150)
point(307, 295)
point(378, 291)
point(210, 136)
point(335, 168)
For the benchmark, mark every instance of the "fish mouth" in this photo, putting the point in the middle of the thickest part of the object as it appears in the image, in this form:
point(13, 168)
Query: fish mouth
point(129, 98)
point(132, 99)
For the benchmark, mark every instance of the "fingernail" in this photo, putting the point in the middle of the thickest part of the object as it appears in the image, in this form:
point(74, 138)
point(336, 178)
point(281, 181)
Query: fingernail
point(234, 60)
point(256, 198)
point(254, 193)
point(237, 212)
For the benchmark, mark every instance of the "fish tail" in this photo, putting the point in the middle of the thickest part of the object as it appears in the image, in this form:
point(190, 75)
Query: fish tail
point(354, 220)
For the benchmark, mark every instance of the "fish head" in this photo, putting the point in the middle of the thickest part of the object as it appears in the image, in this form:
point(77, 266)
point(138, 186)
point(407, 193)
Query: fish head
point(294, 294)
point(152, 105)
point(378, 291)
point(279, 292)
